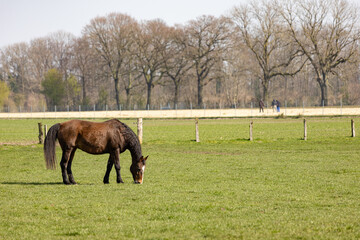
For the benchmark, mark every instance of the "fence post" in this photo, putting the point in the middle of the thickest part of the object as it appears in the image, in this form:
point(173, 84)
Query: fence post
point(45, 130)
point(140, 129)
point(41, 134)
point(251, 131)
point(305, 130)
point(197, 137)
point(352, 128)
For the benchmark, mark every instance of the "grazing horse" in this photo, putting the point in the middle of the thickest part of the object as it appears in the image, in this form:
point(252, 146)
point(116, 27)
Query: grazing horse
point(113, 137)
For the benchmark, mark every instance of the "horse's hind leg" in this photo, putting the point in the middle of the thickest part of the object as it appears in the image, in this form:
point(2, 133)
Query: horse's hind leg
point(64, 163)
point(108, 169)
point(68, 169)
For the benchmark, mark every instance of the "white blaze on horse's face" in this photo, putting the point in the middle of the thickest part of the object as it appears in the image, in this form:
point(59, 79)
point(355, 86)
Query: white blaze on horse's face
point(143, 173)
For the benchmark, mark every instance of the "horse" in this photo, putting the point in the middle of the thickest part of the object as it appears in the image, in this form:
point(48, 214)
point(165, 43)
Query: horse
point(112, 136)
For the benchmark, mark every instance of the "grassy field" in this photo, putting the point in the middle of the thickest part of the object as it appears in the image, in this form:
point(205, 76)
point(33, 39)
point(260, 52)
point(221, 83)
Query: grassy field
point(225, 187)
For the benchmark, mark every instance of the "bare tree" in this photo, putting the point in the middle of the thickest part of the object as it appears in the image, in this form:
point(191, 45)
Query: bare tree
point(130, 77)
point(151, 40)
point(237, 72)
point(84, 62)
point(206, 39)
point(14, 60)
point(40, 58)
point(327, 33)
point(176, 63)
point(61, 44)
point(111, 37)
point(261, 29)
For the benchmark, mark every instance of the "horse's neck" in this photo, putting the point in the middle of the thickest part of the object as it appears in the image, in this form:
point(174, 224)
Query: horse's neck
point(135, 152)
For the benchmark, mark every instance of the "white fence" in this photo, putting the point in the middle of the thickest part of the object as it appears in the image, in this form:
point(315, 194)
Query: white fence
point(197, 113)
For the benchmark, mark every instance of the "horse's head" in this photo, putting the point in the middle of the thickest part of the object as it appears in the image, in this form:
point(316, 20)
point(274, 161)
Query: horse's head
point(137, 169)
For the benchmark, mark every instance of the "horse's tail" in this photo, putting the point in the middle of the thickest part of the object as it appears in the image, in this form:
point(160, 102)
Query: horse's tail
point(49, 146)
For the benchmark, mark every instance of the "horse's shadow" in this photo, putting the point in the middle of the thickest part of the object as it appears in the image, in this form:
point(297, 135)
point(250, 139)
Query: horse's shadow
point(32, 183)
point(40, 183)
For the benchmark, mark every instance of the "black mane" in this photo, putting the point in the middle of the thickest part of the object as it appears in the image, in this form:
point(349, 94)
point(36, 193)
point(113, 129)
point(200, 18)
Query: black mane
point(131, 138)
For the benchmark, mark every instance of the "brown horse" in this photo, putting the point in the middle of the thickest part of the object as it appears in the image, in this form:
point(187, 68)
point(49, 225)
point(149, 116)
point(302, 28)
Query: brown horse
point(113, 137)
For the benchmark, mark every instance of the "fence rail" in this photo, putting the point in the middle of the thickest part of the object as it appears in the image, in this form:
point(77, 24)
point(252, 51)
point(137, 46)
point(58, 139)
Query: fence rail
point(191, 113)
point(197, 132)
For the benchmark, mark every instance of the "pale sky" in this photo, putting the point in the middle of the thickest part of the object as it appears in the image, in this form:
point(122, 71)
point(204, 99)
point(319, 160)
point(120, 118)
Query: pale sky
point(24, 20)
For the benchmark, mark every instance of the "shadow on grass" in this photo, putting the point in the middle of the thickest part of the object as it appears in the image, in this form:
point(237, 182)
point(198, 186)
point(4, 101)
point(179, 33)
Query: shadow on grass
point(32, 183)
point(225, 141)
point(42, 183)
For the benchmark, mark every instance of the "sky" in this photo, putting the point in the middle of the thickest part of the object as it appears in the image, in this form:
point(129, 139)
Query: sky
point(24, 20)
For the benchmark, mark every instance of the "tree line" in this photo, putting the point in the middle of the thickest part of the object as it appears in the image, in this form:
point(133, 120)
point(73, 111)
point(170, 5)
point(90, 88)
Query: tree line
point(295, 51)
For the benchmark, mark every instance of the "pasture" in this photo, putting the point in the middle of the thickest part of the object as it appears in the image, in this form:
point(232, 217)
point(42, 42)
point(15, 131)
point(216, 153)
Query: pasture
point(225, 187)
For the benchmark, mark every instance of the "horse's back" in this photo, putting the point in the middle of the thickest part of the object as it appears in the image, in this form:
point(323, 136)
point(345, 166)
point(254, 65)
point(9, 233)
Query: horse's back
point(91, 137)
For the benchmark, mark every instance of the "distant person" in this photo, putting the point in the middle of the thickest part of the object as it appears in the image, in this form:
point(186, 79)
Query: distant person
point(278, 106)
point(261, 105)
point(273, 105)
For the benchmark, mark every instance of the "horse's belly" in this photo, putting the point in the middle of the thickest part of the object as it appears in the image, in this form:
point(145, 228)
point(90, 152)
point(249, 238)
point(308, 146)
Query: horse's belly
point(92, 148)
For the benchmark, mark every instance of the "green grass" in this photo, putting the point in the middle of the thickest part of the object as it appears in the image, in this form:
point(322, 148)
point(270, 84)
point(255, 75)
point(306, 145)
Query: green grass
point(225, 187)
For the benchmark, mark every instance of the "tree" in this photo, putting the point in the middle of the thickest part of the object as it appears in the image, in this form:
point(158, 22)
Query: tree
point(15, 64)
point(206, 39)
point(4, 93)
point(14, 60)
point(130, 78)
point(262, 31)
point(176, 63)
point(237, 73)
point(111, 36)
point(61, 45)
point(327, 32)
point(151, 40)
point(72, 90)
point(103, 97)
point(84, 63)
point(40, 57)
point(53, 88)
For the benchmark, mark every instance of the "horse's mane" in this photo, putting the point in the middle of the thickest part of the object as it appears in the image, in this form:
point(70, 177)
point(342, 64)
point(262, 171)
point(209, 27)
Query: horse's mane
point(131, 138)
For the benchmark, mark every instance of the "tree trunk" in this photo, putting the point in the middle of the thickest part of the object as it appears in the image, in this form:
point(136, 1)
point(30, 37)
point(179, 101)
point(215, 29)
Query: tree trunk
point(286, 88)
point(116, 81)
point(176, 96)
point(83, 89)
point(324, 100)
point(265, 85)
point(149, 86)
point(127, 104)
point(200, 93)
point(324, 90)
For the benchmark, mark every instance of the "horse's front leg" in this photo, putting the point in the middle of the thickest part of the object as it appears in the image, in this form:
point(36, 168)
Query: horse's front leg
point(117, 166)
point(108, 169)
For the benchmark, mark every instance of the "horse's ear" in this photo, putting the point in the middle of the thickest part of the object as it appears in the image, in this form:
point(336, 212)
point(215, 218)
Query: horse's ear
point(146, 158)
point(142, 159)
